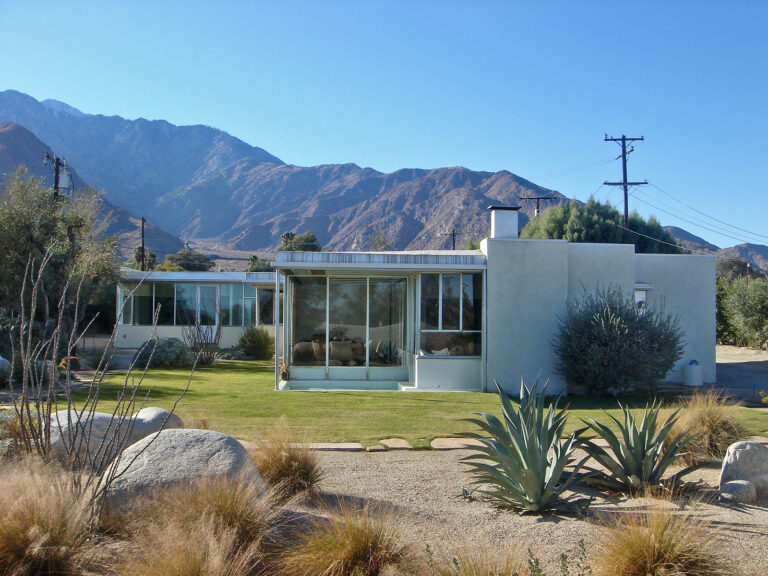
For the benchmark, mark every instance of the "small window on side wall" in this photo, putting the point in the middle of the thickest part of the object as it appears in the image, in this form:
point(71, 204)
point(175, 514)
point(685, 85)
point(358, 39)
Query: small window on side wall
point(641, 299)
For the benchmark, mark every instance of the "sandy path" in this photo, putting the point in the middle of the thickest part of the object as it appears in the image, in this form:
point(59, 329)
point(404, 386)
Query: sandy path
point(424, 488)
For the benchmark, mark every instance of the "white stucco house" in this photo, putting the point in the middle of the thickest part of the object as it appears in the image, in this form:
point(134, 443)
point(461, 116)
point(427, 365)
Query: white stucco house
point(426, 320)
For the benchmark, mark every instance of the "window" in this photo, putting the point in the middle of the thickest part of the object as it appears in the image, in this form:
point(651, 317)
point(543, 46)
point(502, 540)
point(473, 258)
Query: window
point(165, 295)
point(451, 314)
point(266, 306)
point(641, 299)
point(125, 303)
point(366, 321)
point(186, 304)
point(231, 304)
point(142, 305)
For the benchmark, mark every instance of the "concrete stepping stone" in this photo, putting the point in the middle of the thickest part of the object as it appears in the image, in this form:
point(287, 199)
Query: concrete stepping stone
point(454, 443)
point(376, 448)
point(396, 444)
point(338, 446)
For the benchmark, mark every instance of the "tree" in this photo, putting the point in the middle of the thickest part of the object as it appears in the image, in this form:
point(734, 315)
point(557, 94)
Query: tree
point(150, 258)
point(190, 260)
point(306, 242)
point(257, 265)
point(71, 230)
point(601, 223)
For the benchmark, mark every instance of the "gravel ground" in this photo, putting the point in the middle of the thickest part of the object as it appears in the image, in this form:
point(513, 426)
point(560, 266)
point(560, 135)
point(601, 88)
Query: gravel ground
point(424, 489)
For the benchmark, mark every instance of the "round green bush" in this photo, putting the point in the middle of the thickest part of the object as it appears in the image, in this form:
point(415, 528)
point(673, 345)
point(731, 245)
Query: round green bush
point(606, 344)
point(168, 353)
point(257, 343)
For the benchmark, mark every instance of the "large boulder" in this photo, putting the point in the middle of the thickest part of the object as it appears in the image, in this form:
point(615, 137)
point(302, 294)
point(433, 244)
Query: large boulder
point(150, 420)
point(98, 426)
point(738, 492)
point(747, 461)
point(177, 457)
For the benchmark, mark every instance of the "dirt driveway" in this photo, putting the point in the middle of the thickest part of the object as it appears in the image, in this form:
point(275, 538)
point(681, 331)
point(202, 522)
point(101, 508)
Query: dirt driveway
point(743, 372)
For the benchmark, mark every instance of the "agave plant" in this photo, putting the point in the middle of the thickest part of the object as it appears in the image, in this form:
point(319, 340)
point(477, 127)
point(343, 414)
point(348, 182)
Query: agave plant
point(522, 464)
point(639, 455)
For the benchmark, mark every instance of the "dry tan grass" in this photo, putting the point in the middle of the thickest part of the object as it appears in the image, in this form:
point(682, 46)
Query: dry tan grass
point(478, 560)
point(44, 524)
point(660, 540)
point(235, 505)
point(286, 464)
point(712, 420)
point(201, 548)
point(350, 542)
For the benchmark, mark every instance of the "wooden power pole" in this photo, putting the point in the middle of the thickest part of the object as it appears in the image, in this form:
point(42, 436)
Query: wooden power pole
point(624, 183)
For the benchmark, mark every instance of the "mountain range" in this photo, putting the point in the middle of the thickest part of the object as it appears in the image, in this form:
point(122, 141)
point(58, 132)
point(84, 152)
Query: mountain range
point(197, 182)
point(201, 184)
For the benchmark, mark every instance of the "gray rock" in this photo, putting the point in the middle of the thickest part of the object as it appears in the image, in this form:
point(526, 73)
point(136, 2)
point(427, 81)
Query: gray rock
point(746, 461)
point(66, 430)
point(177, 457)
point(738, 492)
point(150, 420)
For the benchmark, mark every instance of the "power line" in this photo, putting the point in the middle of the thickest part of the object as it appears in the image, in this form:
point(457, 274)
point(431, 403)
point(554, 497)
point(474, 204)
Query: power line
point(707, 215)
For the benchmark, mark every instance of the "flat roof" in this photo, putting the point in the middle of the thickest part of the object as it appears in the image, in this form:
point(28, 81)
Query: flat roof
point(225, 277)
point(395, 260)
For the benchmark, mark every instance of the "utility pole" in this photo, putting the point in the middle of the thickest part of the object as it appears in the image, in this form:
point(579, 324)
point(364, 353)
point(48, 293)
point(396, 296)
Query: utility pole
point(453, 238)
point(143, 260)
point(58, 164)
point(624, 182)
point(538, 200)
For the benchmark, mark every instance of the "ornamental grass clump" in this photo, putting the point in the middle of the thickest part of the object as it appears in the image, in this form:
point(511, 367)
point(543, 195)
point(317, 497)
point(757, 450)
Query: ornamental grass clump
point(710, 418)
point(659, 541)
point(476, 560)
point(522, 465)
point(44, 523)
point(351, 541)
point(285, 464)
point(202, 548)
point(638, 456)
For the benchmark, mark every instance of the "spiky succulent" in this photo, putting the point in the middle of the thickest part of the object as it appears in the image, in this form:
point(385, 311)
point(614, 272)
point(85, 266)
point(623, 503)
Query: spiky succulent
point(638, 456)
point(522, 464)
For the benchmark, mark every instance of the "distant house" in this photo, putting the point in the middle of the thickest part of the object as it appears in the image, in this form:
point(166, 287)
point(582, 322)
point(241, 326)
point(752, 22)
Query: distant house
point(235, 299)
point(425, 320)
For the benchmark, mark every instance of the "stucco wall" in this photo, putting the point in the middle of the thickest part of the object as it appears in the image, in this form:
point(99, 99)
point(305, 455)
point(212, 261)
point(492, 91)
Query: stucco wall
point(592, 266)
point(134, 336)
point(527, 286)
point(685, 286)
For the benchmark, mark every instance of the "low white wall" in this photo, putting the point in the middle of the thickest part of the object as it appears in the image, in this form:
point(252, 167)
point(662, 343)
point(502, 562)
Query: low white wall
point(133, 336)
point(684, 285)
point(446, 373)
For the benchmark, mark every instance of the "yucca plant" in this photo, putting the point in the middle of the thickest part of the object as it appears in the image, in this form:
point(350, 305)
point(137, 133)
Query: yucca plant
point(640, 454)
point(522, 465)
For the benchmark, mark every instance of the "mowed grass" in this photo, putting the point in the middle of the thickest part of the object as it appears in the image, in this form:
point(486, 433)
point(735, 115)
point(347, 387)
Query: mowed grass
point(238, 398)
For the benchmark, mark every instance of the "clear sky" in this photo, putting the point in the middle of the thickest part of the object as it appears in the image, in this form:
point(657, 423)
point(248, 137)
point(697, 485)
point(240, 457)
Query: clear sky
point(529, 87)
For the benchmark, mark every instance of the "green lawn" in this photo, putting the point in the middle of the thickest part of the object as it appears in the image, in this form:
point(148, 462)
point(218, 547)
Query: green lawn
point(238, 398)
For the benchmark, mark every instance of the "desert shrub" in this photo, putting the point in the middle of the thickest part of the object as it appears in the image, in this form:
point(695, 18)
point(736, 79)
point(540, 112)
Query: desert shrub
point(237, 506)
point(606, 343)
point(168, 353)
point(746, 309)
point(44, 523)
point(204, 547)
point(710, 418)
point(256, 342)
point(639, 455)
point(659, 542)
point(476, 560)
point(522, 464)
point(286, 464)
point(350, 542)
point(5, 371)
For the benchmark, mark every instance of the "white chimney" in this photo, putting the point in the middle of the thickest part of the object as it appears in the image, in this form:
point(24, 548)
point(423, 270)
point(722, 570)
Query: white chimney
point(504, 221)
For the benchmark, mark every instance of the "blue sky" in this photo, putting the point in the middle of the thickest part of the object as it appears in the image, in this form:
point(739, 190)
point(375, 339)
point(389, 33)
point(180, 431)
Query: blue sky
point(529, 87)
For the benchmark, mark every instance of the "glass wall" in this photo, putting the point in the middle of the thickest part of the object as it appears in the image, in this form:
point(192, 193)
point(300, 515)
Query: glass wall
point(451, 314)
point(387, 321)
point(183, 303)
point(308, 335)
point(366, 321)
